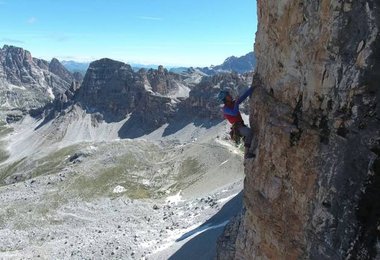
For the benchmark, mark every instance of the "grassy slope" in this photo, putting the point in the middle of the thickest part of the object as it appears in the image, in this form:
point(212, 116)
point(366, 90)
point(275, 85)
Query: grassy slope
point(4, 131)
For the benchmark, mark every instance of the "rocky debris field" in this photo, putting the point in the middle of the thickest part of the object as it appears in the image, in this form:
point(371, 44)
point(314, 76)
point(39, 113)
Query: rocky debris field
point(147, 198)
point(106, 227)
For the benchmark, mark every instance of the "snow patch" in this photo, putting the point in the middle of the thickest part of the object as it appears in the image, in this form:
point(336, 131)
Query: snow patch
point(174, 199)
point(119, 189)
point(146, 182)
point(93, 148)
point(50, 92)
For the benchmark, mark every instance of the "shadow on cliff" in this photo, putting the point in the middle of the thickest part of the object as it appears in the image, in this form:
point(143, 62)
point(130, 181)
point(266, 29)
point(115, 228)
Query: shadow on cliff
point(136, 126)
point(203, 245)
point(180, 122)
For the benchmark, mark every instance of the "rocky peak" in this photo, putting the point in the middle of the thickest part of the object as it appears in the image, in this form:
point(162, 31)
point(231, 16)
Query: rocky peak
point(36, 85)
point(17, 64)
point(161, 81)
point(243, 64)
point(161, 69)
point(112, 88)
point(17, 53)
point(58, 69)
point(42, 64)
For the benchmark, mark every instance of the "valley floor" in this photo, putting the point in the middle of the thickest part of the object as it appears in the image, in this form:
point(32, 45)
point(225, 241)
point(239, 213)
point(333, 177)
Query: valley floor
point(155, 197)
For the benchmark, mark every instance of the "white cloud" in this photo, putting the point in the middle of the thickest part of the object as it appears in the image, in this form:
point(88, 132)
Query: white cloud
point(151, 18)
point(8, 40)
point(32, 20)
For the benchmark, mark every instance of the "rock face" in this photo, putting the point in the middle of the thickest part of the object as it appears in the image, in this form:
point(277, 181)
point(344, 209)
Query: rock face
point(58, 69)
point(27, 82)
point(114, 90)
point(161, 81)
point(111, 88)
point(312, 191)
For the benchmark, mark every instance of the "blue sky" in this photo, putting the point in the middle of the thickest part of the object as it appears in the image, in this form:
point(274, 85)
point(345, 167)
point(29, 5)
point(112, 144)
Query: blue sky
point(168, 32)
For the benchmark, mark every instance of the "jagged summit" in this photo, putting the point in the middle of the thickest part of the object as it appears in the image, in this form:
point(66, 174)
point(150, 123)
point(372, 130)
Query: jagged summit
point(27, 82)
point(243, 64)
point(104, 62)
point(58, 69)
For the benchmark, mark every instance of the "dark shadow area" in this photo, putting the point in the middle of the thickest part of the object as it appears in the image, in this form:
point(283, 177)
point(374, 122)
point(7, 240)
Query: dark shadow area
point(45, 120)
point(179, 122)
point(48, 113)
point(203, 246)
point(135, 127)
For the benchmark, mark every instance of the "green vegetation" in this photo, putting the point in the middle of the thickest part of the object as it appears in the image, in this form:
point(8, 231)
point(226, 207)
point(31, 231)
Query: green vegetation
point(7, 171)
point(50, 164)
point(189, 167)
point(4, 131)
point(104, 180)
point(190, 171)
point(4, 155)
point(53, 163)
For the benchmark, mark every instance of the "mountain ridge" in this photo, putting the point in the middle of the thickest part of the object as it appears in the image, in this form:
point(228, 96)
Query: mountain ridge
point(243, 64)
point(28, 83)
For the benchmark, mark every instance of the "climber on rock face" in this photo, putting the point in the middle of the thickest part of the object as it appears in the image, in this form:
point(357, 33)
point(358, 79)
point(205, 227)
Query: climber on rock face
point(232, 114)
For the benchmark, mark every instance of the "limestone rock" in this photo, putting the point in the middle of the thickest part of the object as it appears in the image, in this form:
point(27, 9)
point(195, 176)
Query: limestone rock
point(58, 69)
point(161, 81)
point(110, 87)
point(312, 192)
point(29, 83)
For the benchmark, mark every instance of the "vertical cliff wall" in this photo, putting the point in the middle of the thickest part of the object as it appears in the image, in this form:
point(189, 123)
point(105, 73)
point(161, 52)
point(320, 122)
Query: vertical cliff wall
point(313, 190)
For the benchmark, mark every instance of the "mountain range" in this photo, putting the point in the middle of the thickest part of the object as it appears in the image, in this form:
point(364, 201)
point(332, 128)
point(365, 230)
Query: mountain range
point(107, 165)
point(109, 87)
point(243, 64)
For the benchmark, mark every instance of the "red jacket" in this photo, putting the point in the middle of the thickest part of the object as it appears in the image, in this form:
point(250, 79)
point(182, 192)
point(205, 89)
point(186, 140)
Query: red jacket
point(231, 112)
point(232, 117)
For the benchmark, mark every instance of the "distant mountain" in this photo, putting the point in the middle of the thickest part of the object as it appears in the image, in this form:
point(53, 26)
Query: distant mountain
point(179, 70)
point(112, 88)
point(240, 65)
point(74, 66)
point(28, 83)
point(112, 91)
point(81, 67)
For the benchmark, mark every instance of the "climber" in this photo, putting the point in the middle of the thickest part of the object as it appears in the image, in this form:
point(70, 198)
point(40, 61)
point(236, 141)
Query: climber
point(232, 114)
